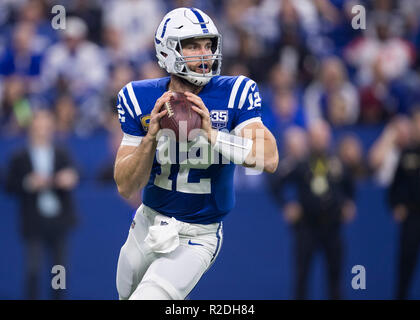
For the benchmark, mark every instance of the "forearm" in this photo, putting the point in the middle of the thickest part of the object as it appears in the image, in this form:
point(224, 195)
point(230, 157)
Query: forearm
point(256, 149)
point(132, 171)
point(263, 156)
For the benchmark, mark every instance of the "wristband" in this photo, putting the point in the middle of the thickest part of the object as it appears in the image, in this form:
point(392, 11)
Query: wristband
point(232, 147)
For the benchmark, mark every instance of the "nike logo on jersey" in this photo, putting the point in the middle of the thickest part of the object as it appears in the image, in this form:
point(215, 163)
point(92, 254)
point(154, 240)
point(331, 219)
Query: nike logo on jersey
point(194, 244)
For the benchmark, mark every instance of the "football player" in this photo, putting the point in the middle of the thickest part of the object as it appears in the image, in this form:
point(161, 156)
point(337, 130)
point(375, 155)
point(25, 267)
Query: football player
point(176, 234)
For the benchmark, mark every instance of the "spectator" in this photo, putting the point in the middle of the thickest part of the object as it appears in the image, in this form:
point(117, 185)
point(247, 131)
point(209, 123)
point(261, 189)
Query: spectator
point(332, 96)
point(305, 12)
point(323, 201)
point(376, 101)
point(405, 204)
point(385, 152)
point(241, 44)
point(15, 107)
point(65, 116)
point(296, 144)
point(21, 57)
point(383, 46)
point(409, 9)
point(350, 152)
point(336, 24)
point(114, 53)
point(42, 177)
point(231, 24)
point(77, 65)
point(287, 112)
point(282, 99)
point(36, 12)
point(290, 49)
point(141, 18)
point(91, 13)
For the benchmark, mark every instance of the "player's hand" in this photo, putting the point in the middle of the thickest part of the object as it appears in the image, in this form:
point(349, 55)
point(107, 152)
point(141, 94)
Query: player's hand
point(202, 110)
point(157, 114)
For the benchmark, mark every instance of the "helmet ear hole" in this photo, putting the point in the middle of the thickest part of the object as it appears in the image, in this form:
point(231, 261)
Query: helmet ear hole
point(164, 54)
point(214, 44)
point(178, 49)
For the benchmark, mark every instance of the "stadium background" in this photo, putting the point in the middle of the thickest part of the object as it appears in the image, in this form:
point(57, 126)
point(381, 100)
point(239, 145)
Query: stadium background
point(280, 44)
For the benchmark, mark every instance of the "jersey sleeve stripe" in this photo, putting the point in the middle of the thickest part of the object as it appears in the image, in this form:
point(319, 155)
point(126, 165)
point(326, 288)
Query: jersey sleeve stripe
point(235, 91)
point(124, 102)
point(120, 109)
point(240, 126)
point(244, 93)
point(130, 140)
point(133, 99)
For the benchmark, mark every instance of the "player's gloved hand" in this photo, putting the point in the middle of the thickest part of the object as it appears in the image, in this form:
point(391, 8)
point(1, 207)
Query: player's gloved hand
point(205, 116)
point(157, 114)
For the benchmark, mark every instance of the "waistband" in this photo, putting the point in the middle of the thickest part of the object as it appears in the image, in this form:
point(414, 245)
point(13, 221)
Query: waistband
point(184, 228)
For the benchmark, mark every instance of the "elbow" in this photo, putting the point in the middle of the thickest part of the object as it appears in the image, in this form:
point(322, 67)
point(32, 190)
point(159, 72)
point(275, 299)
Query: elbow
point(123, 189)
point(270, 165)
point(272, 160)
point(125, 192)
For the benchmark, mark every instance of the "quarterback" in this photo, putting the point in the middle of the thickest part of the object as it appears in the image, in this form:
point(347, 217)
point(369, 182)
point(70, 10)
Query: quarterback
point(177, 232)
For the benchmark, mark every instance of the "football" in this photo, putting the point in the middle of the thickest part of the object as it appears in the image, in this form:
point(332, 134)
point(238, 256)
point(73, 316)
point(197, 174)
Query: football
point(180, 118)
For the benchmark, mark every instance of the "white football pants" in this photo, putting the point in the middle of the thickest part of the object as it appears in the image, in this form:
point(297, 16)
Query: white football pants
point(164, 258)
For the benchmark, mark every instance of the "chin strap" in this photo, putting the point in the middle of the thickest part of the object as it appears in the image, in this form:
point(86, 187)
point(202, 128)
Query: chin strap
point(195, 80)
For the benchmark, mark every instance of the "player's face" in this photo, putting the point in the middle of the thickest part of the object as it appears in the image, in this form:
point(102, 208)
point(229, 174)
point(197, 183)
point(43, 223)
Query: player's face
point(198, 47)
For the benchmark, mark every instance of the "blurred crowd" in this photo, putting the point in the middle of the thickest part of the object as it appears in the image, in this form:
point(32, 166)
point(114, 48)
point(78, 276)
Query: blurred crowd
point(317, 74)
point(307, 58)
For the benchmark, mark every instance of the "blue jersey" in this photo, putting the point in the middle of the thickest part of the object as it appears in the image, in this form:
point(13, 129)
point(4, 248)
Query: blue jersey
point(195, 193)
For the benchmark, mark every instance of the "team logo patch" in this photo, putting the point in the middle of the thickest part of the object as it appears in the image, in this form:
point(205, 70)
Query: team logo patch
point(219, 118)
point(145, 120)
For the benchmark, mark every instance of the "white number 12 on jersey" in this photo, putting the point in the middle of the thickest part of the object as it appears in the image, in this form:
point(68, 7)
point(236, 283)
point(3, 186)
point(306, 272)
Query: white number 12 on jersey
point(181, 184)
